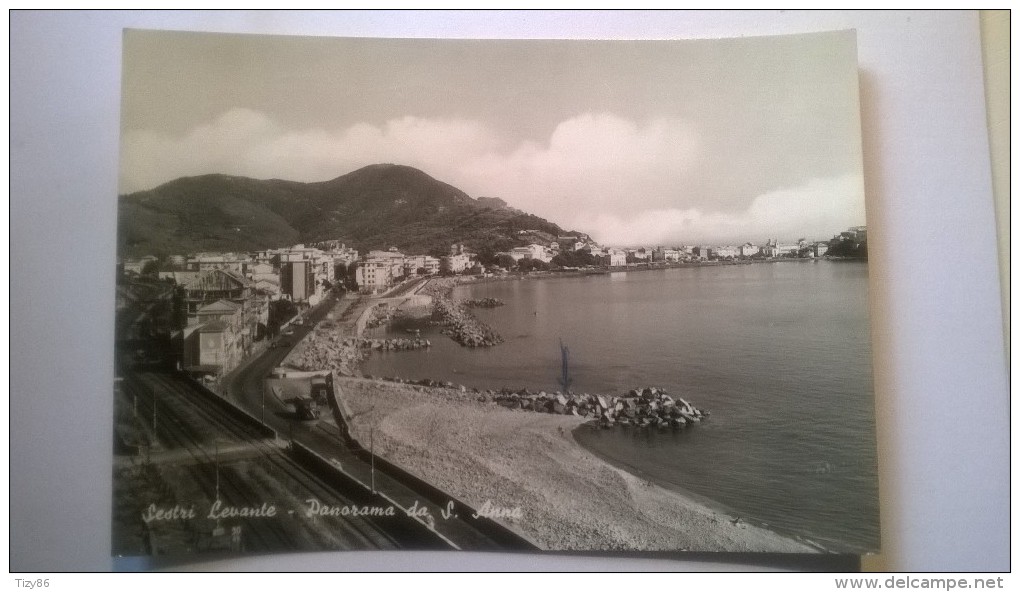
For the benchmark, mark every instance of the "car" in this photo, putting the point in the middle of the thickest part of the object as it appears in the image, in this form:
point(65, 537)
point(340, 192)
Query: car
point(288, 332)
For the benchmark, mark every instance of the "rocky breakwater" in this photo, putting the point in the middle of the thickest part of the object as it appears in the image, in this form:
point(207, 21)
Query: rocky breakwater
point(648, 407)
point(389, 344)
point(484, 303)
point(455, 391)
point(457, 320)
point(324, 351)
point(379, 315)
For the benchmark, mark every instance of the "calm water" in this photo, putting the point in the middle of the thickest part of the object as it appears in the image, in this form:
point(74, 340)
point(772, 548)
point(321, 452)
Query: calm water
point(779, 353)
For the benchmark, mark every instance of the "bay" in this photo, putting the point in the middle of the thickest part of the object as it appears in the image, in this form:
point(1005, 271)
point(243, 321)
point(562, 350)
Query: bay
point(778, 352)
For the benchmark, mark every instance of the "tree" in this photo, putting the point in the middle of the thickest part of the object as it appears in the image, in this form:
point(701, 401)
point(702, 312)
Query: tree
point(151, 267)
point(280, 311)
point(847, 247)
point(528, 264)
point(505, 261)
point(574, 259)
point(487, 255)
point(351, 278)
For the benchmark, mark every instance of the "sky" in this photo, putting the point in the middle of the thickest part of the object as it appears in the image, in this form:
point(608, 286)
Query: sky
point(634, 142)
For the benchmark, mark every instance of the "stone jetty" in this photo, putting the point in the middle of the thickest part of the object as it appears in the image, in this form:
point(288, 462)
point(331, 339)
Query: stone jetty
point(457, 320)
point(388, 344)
point(380, 314)
point(648, 407)
point(484, 303)
point(322, 350)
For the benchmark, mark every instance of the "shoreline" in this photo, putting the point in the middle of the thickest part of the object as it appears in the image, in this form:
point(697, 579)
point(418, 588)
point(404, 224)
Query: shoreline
point(657, 266)
point(569, 497)
point(708, 502)
point(695, 523)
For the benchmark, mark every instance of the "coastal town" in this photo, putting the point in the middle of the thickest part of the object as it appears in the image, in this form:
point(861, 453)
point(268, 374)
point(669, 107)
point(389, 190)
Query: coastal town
point(240, 366)
point(211, 310)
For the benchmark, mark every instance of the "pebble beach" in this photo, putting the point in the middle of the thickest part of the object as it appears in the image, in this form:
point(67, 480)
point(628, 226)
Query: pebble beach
point(569, 499)
point(524, 466)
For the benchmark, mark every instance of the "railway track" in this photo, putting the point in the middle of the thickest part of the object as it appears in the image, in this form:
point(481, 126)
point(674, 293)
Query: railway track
point(245, 387)
point(188, 431)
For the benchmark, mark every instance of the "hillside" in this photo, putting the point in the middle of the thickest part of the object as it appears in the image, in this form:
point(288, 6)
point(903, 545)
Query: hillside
point(375, 207)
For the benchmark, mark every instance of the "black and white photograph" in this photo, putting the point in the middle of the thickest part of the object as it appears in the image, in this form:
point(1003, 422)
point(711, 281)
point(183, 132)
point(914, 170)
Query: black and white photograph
point(594, 291)
point(481, 295)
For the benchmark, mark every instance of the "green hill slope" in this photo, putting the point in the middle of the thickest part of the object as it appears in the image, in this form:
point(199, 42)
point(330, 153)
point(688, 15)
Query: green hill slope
point(376, 207)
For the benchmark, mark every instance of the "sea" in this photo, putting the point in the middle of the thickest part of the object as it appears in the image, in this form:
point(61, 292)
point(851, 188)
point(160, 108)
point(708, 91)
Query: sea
point(778, 352)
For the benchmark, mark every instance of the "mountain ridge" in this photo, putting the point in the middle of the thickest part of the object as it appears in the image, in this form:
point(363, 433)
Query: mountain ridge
point(374, 207)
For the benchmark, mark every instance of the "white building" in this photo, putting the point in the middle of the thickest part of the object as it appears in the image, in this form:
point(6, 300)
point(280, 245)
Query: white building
point(666, 255)
point(640, 254)
point(412, 263)
point(454, 263)
point(224, 261)
point(749, 250)
point(379, 270)
point(774, 248)
point(374, 275)
point(612, 257)
point(532, 251)
point(726, 252)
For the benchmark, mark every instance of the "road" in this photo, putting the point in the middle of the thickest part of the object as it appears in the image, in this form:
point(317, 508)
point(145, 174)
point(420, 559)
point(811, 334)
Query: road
point(245, 388)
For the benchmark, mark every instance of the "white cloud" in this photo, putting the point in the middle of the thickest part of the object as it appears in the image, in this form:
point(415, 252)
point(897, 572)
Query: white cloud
point(228, 145)
point(621, 180)
point(818, 209)
point(246, 142)
point(595, 159)
point(592, 161)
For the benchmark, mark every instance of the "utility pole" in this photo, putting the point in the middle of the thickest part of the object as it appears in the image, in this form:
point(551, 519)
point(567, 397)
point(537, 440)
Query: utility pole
point(565, 379)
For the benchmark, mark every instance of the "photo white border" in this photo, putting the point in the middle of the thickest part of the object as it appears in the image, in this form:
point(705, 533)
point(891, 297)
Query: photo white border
point(941, 374)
